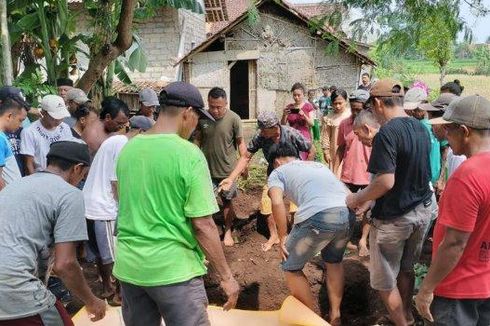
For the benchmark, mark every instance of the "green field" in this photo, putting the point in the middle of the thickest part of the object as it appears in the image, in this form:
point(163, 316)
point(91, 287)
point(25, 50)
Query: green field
point(427, 67)
point(472, 84)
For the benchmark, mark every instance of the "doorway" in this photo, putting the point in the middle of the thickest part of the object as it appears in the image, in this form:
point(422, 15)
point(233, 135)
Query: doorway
point(239, 88)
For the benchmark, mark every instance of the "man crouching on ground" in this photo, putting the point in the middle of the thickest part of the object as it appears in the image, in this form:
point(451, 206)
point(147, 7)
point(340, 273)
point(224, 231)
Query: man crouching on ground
point(320, 224)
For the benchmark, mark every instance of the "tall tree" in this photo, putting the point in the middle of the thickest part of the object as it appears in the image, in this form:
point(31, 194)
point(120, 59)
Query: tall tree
point(6, 63)
point(437, 40)
point(109, 51)
point(115, 41)
point(399, 25)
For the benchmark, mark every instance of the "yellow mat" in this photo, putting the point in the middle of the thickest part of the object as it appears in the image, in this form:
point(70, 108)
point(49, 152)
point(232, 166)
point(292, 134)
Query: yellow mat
point(292, 312)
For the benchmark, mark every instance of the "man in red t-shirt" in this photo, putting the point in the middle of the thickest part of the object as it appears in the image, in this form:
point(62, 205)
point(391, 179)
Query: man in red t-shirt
point(456, 290)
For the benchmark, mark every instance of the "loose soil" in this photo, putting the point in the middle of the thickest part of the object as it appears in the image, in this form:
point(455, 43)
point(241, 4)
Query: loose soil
point(260, 277)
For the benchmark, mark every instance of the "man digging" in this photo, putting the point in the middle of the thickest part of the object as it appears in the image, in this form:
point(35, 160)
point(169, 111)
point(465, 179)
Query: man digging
point(270, 136)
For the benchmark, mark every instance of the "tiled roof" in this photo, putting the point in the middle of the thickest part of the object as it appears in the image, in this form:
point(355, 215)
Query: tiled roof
point(240, 8)
point(136, 86)
point(236, 8)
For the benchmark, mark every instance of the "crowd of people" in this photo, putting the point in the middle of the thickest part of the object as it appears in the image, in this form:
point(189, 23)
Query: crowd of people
point(137, 195)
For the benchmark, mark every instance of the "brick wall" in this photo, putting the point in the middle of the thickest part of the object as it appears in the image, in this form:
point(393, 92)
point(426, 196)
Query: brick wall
point(161, 38)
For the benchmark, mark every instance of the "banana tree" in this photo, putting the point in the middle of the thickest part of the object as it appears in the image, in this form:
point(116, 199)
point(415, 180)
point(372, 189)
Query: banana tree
point(43, 35)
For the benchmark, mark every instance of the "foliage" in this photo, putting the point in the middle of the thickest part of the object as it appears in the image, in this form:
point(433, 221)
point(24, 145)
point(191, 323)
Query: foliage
point(420, 271)
point(253, 16)
point(148, 8)
point(482, 55)
point(45, 29)
point(391, 66)
point(440, 30)
point(32, 85)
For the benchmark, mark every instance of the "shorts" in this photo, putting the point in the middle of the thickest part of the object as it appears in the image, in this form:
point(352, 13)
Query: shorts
point(55, 315)
point(182, 304)
point(460, 311)
point(266, 203)
point(316, 234)
point(395, 245)
point(101, 241)
point(226, 195)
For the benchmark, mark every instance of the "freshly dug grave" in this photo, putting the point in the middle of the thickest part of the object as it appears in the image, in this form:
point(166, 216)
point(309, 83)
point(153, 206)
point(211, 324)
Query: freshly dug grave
point(260, 276)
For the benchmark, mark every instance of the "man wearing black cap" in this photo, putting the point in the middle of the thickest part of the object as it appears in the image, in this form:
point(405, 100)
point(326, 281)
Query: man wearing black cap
point(100, 195)
point(456, 289)
point(400, 187)
point(41, 213)
point(165, 224)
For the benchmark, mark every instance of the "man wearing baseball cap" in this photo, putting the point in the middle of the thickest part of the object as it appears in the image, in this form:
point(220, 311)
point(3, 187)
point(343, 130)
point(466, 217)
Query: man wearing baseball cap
point(165, 225)
point(436, 110)
point(271, 133)
point(400, 188)
point(354, 156)
point(100, 195)
point(38, 137)
point(148, 103)
point(73, 99)
point(43, 214)
point(456, 290)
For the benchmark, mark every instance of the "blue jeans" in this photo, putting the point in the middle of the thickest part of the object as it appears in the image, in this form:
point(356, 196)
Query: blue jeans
point(318, 233)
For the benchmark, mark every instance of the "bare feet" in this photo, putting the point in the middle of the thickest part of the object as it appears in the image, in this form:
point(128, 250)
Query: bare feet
point(351, 246)
point(363, 249)
point(335, 322)
point(228, 239)
point(116, 300)
point(270, 243)
point(107, 294)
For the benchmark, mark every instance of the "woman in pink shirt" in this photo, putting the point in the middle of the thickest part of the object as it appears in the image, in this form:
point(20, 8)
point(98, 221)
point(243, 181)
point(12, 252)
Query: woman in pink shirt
point(300, 114)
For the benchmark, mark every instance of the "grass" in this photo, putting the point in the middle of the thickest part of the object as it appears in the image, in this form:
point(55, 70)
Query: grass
point(472, 84)
point(427, 67)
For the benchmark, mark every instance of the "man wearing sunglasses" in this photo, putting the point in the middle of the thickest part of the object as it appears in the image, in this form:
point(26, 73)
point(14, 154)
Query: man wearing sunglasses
point(456, 290)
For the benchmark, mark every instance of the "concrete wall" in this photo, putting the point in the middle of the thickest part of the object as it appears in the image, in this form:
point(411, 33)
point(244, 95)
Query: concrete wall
point(286, 53)
point(162, 37)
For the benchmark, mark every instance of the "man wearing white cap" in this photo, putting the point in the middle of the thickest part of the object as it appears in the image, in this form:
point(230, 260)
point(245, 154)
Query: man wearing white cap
point(148, 103)
point(74, 98)
point(36, 140)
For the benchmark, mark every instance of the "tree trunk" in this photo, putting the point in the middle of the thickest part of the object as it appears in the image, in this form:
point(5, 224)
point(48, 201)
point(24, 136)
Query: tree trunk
point(6, 63)
point(109, 52)
point(442, 70)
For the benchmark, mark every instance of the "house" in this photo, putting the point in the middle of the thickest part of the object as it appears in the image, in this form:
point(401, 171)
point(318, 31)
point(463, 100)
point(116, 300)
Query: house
point(170, 33)
point(257, 63)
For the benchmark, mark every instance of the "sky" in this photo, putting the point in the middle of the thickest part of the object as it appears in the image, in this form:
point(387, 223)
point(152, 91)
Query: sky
point(479, 25)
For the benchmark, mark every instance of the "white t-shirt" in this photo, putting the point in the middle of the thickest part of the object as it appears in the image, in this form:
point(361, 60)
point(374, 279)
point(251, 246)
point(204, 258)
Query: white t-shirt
point(36, 140)
point(97, 191)
point(453, 161)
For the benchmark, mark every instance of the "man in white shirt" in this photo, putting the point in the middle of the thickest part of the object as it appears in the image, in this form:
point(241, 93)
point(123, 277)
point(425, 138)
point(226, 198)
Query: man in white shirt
point(101, 207)
point(36, 140)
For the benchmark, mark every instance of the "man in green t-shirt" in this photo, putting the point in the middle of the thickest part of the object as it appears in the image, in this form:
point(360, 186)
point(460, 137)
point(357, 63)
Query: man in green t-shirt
point(165, 220)
point(219, 142)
